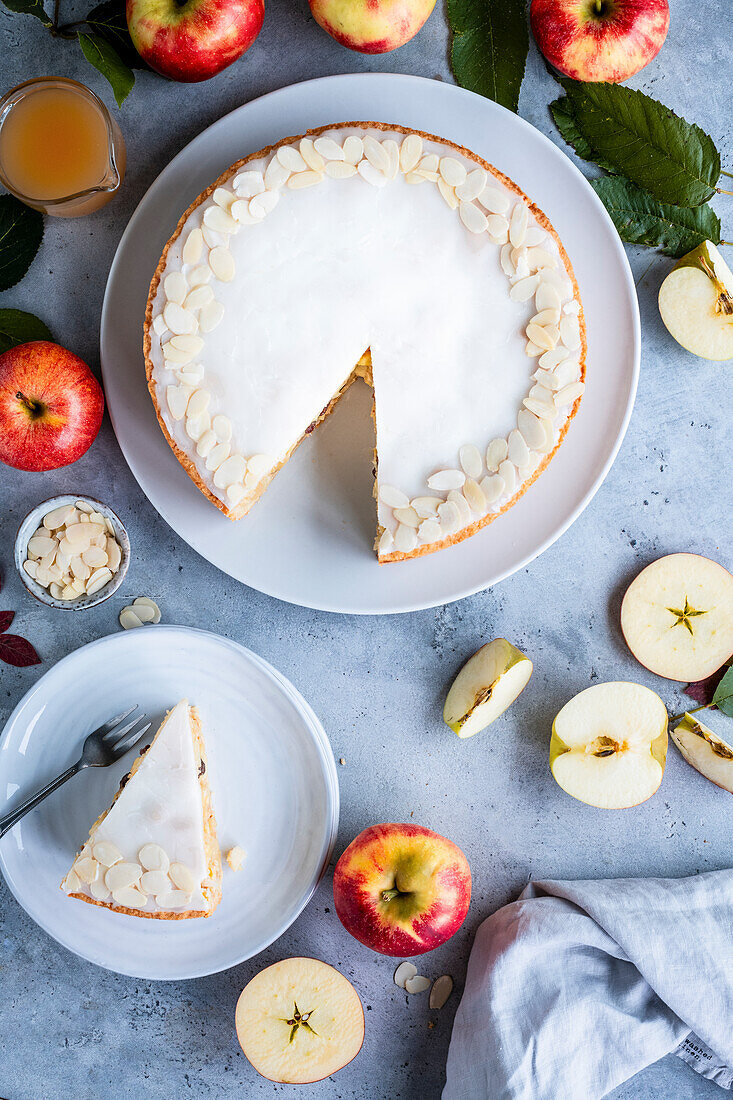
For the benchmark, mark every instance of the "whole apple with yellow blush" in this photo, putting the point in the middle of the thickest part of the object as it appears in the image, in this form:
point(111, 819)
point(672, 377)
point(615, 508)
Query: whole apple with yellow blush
point(402, 889)
point(371, 26)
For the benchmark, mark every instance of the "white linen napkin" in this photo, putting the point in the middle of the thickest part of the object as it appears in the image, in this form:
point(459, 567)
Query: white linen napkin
point(576, 986)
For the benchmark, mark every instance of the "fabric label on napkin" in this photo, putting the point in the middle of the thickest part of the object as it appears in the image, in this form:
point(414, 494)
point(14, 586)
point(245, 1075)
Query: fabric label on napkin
point(693, 1051)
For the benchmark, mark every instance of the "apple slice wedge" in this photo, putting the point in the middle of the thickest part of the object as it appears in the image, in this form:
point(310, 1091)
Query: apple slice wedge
point(705, 750)
point(677, 617)
point(696, 303)
point(488, 683)
point(609, 745)
point(299, 1021)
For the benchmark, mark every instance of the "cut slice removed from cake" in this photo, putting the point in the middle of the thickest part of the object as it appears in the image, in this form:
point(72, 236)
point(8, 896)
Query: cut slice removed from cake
point(154, 852)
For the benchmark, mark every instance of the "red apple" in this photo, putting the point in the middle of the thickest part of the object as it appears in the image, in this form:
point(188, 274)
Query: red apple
point(51, 406)
point(371, 26)
point(194, 40)
point(599, 39)
point(402, 889)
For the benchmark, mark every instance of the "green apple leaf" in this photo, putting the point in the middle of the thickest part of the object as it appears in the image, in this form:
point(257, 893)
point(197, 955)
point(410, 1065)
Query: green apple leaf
point(28, 7)
point(109, 21)
point(674, 160)
point(107, 61)
point(640, 219)
point(21, 231)
point(723, 697)
point(490, 45)
point(562, 113)
point(17, 327)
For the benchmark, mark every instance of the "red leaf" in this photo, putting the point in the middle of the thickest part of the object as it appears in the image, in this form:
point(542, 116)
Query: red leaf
point(6, 618)
point(702, 691)
point(17, 651)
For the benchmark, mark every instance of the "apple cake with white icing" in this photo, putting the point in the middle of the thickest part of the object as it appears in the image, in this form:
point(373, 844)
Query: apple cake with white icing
point(368, 250)
point(154, 852)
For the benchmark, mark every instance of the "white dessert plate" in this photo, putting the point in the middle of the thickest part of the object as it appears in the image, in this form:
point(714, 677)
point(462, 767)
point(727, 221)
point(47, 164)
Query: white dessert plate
point(309, 540)
point(273, 781)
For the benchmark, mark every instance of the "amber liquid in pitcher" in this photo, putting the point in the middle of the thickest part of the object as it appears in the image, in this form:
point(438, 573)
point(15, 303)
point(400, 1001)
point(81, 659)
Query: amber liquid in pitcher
point(57, 143)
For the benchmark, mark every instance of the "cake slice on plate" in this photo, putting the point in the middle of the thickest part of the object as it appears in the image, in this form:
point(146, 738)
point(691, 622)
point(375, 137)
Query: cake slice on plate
point(154, 852)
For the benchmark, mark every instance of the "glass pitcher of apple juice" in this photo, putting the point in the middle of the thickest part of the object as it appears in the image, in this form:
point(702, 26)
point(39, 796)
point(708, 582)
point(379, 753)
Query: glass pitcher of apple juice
point(60, 149)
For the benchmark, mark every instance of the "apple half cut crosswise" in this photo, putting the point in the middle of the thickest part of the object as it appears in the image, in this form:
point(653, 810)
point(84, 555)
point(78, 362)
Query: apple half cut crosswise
point(609, 745)
point(696, 303)
point(705, 750)
point(299, 1020)
point(488, 683)
point(677, 617)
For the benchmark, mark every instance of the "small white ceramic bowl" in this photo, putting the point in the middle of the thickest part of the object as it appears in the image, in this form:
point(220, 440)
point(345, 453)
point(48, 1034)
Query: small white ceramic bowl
point(30, 525)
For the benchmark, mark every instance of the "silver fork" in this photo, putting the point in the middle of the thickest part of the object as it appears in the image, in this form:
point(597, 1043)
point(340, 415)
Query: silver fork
point(102, 747)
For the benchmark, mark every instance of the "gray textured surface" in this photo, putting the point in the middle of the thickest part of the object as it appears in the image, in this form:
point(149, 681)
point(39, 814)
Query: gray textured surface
point(71, 1029)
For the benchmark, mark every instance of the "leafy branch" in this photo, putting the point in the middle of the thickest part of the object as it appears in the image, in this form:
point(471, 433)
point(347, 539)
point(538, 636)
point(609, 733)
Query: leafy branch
point(662, 170)
point(490, 47)
point(641, 219)
point(21, 232)
point(102, 35)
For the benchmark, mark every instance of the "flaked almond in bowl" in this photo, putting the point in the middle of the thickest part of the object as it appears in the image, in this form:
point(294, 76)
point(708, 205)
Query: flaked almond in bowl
point(72, 552)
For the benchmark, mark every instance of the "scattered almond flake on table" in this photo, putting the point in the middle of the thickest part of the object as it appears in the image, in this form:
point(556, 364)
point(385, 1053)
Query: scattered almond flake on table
point(236, 857)
point(404, 971)
point(417, 984)
point(441, 991)
point(141, 611)
point(146, 609)
point(128, 619)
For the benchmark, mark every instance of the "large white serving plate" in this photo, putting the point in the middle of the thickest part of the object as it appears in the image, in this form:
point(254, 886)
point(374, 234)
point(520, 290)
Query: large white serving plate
point(273, 781)
point(309, 540)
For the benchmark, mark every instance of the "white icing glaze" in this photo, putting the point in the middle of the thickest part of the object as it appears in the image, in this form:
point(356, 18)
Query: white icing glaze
point(341, 266)
point(161, 804)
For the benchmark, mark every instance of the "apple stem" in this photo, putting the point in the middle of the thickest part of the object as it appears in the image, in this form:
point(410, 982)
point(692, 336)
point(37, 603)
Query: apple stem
point(35, 408)
point(694, 710)
point(728, 174)
point(389, 895)
point(722, 191)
